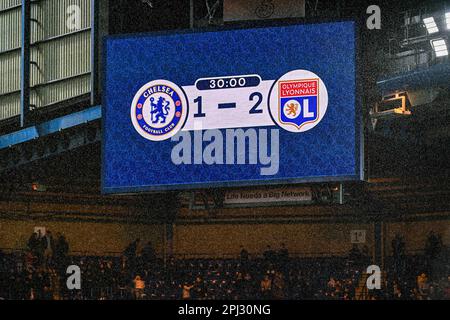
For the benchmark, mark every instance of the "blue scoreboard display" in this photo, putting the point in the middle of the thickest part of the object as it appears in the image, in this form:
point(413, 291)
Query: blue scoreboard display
point(267, 105)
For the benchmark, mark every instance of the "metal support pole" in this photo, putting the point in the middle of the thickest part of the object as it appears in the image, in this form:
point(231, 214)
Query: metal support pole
point(191, 14)
point(168, 241)
point(25, 63)
point(94, 52)
point(384, 235)
point(379, 240)
point(165, 245)
point(341, 193)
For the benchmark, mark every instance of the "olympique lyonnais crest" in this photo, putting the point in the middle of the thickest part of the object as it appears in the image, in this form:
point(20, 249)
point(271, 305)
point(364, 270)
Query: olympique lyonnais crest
point(159, 110)
point(298, 101)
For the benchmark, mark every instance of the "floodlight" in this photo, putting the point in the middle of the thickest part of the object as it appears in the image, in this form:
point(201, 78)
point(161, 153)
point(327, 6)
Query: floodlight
point(431, 25)
point(440, 47)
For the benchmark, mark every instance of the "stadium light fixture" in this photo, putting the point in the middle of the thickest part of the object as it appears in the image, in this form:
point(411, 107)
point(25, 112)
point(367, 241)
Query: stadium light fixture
point(431, 25)
point(440, 47)
point(447, 19)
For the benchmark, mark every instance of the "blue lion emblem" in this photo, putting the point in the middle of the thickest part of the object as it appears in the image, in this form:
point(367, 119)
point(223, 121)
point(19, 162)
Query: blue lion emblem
point(159, 110)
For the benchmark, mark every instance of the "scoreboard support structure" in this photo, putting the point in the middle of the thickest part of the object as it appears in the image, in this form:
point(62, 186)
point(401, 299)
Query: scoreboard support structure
point(25, 58)
point(379, 243)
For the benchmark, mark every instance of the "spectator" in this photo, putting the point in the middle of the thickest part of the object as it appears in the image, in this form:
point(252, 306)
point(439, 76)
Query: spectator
point(244, 254)
point(122, 284)
point(48, 248)
point(398, 247)
point(250, 289)
point(148, 253)
point(33, 242)
point(422, 282)
point(130, 251)
point(139, 286)
point(61, 250)
point(283, 257)
point(199, 289)
point(397, 295)
point(415, 295)
point(446, 287)
point(365, 256)
point(398, 253)
point(186, 291)
point(332, 283)
point(30, 261)
point(278, 286)
point(269, 254)
point(39, 247)
point(433, 246)
point(42, 245)
point(354, 254)
point(283, 253)
point(266, 287)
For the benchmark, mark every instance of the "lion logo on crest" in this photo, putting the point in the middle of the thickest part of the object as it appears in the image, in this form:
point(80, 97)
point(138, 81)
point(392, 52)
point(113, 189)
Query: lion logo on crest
point(159, 110)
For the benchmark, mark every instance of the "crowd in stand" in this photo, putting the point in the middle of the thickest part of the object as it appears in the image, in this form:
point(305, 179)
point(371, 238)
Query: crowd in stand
point(40, 273)
point(35, 273)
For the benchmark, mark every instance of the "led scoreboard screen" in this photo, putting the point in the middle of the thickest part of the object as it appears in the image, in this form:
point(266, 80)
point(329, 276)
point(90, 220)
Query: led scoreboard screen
point(266, 105)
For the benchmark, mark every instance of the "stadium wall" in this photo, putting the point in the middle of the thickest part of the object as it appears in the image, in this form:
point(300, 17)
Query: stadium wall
point(217, 240)
point(305, 239)
point(91, 226)
point(415, 233)
point(85, 238)
point(60, 54)
point(106, 225)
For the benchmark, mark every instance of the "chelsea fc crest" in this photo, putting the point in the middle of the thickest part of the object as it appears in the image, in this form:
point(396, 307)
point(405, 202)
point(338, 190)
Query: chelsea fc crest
point(298, 101)
point(159, 110)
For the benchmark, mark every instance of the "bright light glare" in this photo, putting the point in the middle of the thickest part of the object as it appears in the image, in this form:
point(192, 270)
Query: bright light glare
point(440, 47)
point(430, 24)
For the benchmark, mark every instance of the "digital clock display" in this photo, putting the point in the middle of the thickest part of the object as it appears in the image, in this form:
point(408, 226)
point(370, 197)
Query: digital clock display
point(228, 82)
